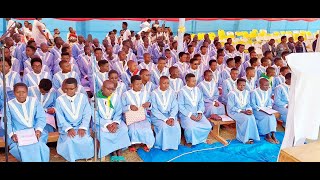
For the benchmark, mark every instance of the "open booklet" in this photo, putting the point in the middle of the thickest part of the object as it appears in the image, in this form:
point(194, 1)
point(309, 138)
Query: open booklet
point(225, 118)
point(26, 137)
point(268, 110)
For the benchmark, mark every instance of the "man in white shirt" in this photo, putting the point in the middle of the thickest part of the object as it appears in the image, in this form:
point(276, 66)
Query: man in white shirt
point(126, 32)
point(38, 32)
point(146, 24)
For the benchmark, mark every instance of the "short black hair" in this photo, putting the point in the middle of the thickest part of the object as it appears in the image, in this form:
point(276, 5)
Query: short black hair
point(20, 84)
point(71, 81)
point(282, 37)
point(266, 53)
point(270, 69)
point(102, 62)
point(172, 68)
point(193, 60)
point(64, 49)
point(45, 84)
point(164, 77)
point(35, 59)
point(237, 59)
point(188, 76)
point(181, 54)
point(65, 54)
point(142, 71)
point(234, 69)
point(283, 68)
point(240, 80)
point(206, 71)
point(212, 61)
point(125, 23)
point(6, 60)
point(31, 47)
point(97, 49)
point(249, 68)
point(253, 60)
point(251, 48)
point(263, 59)
point(135, 78)
point(238, 46)
point(229, 60)
point(112, 72)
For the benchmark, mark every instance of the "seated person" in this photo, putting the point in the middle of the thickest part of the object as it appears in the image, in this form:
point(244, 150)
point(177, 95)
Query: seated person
point(12, 77)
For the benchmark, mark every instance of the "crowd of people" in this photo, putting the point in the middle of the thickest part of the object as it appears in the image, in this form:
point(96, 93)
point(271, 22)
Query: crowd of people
point(55, 88)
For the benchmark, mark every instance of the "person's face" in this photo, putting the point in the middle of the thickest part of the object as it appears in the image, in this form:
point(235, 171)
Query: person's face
point(264, 85)
point(133, 66)
point(145, 76)
point(36, 67)
point(161, 64)
point(108, 89)
point(220, 60)
point(301, 39)
point(218, 46)
point(164, 84)
point(66, 58)
point(7, 53)
point(87, 50)
point(59, 41)
point(98, 54)
point(124, 27)
point(234, 74)
point(252, 73)
point(232, 64)
point(17, 38)
point(175, 73)
point(147, 58)
point(238, 64)
point(26, 23)
point(195, 65)
point(280, 64)
point(29, 52)
point(183, 58)
point(44, 47)
point(125, 49)
point(114, 78)
point(192, 82)
point(272, 42)
point(253, 55)
point(227, 46)
point(286, 71)
point(241, 85)
point(241, 49)
point(80, 39)
point(9, 42)
point(70, 89)
point(109, 50)
point(168, 54)
point(105, 43)
point(6, 67)
point(21, 93)
point(284, 40)
point(288, 81)
point(104, 68)
point(291, 39)
point(269, 56)
point(213, 66)
point(122, 56)
point(95, 42)
point(229, 41)
point(203, 50)
point(66, 67)
point(146, 42)
point(208, 76)
point(137, 85)
point(271, 73)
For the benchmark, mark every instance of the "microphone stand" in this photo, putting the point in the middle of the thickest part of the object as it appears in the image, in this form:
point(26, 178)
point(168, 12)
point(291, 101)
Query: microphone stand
point(95, 107)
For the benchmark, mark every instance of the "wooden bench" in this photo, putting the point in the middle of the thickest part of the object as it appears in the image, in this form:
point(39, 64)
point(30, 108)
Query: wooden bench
point(53, 137)
point(215, 132)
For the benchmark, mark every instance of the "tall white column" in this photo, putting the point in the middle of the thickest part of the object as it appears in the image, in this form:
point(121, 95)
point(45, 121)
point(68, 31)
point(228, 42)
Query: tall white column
point(181, 31)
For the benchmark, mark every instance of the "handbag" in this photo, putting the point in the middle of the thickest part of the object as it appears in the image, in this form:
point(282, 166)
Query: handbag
point(135, 116)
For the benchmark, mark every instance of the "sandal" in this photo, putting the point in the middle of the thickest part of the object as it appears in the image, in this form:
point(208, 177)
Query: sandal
point(121, 159)
point(114, 159)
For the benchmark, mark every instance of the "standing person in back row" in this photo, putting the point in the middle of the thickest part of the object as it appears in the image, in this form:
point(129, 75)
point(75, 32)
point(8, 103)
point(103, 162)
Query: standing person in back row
point(38, 32)
point(126, 33)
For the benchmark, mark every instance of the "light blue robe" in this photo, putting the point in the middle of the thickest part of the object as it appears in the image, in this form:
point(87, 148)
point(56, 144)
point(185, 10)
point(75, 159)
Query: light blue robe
point(77, 49)
point(149, 87)
point(261, 70)
point(27, 67)
point(279, 80)
point(225, 73)
point(217, 77)
point(110, 142)
point(121, 88)
point(38, 152)
point(100, 78)
point(139, 132)
point(198, 73)
point(33, 79)
point(227, 86)
point(170, 61)
point(77, 147)
point(131, 56)
point(16, 65)
point(47, 59)
point(183, 67)
point(156, 53)
point(85, 68)
point(126, 77)
point(155, 75)
point(281, 100)
point(74, 66)
point(12, 79)
point(266, 123)
point(176, 84)
point(56, 52)
point(210, 96)
point(250, 84)
point(47, 101)
point(59, 77)
point(118, 66)
point(194, 132)
point(167, 137)
point(245, 124)
point(149, 66)
point(142, 50)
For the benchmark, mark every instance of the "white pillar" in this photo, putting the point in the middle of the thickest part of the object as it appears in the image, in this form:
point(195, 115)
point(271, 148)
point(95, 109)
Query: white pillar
point(181, 31)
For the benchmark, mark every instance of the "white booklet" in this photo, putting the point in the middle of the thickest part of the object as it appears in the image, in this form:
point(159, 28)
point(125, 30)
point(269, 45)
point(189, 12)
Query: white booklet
point(268, 110)
point(26, 137)
point(226, 118)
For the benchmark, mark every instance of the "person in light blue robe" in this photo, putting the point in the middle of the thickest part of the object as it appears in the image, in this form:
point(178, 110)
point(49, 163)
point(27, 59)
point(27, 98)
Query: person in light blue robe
point(121, 64)
point(16, 65)
point(158, 71)
point(191, 107)
point(139, 132)
point(120, 86)
point(147, 85)
point(280, 79)
point(164, 116)
point(194, 69)
point(281, 98)
point(46, 95)
point(131, 71)
point(102, 75)
point(175, 81)
point(64, 74)
point(229, 84)
point(157, 51)
point(239, 109)
point(23, 113)
point(143, 49)
point(146, 63)
point(84, 62)
point(265, 63)
point(261, 98)
point(73, 113)
point(56, 50)
point(225, 73)
point(78, 48)
point(250, 78)
point(210, 92)
point(216, 73)
point(12, 78)
point(181, 64)
point(112, 132)
point(46, 56)
point(65, 56)
point(33, 78)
